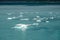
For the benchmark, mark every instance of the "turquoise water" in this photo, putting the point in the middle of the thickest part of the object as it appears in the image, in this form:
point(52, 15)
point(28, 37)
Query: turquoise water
point(46, 29)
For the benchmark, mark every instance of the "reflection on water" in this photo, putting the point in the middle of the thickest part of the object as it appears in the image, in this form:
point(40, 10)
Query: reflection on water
point(40, 24)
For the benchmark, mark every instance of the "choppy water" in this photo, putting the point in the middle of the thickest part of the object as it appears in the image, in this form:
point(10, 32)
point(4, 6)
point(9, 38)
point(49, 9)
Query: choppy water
point(44, 20)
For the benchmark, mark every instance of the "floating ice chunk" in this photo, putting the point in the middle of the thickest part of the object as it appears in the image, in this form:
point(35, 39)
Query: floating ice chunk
point(47, 21)
point(13, 17)
point(34, 18)
point(9, 18)
point(21, 16)
point(46, 18)
point(25, 19)
point(22, 27)
point(38, 16)
point(38, 20)
point(35, 24)
point(51, 17)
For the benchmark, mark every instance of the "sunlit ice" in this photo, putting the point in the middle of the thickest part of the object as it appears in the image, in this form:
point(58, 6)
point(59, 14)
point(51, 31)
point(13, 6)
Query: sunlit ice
point(22, 27)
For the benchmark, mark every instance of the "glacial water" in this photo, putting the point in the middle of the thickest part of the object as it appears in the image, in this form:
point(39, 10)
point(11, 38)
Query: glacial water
point(44, 22)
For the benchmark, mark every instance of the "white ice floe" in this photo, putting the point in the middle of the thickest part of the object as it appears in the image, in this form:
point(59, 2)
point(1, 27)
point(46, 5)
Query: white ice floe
point(26, 19)
point(47, 21)
point(21, 16)
point(38, 20)
point(22, 27)
point(13, 17)
point(38, 16)
point(51, 17)
point(35, 24)
point(34, 18)
point(9, 18)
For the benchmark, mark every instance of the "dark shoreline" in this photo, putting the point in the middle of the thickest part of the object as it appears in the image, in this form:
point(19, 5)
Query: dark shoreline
point(30, 3)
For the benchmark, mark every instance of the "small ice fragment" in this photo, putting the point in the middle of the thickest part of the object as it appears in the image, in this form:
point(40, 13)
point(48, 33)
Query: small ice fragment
point(25, 19)
point(35, 24)
point(13, 17)
point(37, 16)
point(34, 18)
point(9, 18)
point(21, 16)
point(51, 17)
point(22, 27)
point(38, 20)
point(46, 18)
point(47, 21)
